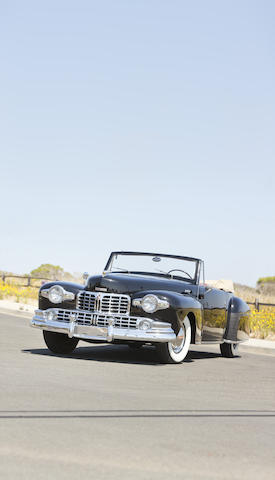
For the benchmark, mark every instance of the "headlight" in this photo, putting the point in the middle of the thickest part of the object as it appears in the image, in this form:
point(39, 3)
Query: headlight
point(149, 303)
point(56, 294)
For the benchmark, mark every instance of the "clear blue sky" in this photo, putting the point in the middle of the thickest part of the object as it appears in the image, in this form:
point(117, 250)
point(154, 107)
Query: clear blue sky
point(138, 125)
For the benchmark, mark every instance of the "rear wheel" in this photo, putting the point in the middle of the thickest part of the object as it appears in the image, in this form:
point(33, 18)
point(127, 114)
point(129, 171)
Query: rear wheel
point(176, 351)
point(229, 350)
point(59, 342)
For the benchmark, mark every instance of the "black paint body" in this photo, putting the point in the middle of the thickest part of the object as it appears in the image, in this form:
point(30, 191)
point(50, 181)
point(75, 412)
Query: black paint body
point(216, 316)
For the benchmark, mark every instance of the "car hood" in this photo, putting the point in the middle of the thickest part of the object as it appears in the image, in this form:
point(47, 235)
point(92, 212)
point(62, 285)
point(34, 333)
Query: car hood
point(127, 283)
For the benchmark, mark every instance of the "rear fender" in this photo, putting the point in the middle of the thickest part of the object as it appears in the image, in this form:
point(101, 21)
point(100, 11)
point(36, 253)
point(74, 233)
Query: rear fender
point(238, 321)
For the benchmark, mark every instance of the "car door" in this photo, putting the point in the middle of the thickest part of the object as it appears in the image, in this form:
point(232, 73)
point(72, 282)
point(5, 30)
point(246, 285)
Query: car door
point(214, 304)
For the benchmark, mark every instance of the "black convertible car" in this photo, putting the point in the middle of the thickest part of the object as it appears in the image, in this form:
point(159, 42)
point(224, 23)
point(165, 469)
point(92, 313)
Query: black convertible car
point(143, 298)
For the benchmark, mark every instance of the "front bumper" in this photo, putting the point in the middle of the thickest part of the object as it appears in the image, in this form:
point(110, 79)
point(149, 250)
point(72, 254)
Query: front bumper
point(95, 326)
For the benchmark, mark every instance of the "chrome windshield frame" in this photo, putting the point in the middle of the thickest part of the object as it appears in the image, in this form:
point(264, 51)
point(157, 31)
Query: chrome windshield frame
point(194, 280)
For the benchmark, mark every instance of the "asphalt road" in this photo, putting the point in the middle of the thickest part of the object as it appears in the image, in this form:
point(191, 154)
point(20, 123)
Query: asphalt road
point(108, 412)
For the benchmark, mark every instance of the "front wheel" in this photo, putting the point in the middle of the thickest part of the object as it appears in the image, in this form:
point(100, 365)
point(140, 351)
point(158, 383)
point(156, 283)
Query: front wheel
point(59, 342)
point(176, 351)
point(229, 350)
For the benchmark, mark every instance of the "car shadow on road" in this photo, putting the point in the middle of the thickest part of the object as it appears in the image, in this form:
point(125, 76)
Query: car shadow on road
point(120, 354)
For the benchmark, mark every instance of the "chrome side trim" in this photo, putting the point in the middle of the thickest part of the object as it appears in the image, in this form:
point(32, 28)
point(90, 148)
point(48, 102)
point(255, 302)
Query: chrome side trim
point(234, 341)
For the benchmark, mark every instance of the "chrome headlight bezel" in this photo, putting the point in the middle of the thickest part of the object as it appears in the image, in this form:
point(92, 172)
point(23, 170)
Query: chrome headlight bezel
point(150, 303)
point(54, 298)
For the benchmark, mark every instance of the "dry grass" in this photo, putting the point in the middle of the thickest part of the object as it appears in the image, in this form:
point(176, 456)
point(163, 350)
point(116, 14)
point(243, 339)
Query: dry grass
point(249, 294)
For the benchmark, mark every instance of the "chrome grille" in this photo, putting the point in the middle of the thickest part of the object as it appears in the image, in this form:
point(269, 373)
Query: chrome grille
point(114, 304)
point(87, 318)
point(82, 318)
point(86, 301)
point(120, 322)
point(103, 302)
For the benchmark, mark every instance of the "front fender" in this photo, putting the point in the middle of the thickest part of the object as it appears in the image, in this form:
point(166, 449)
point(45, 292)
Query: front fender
point(44, 303)
point(176, 300)
point(180, 306)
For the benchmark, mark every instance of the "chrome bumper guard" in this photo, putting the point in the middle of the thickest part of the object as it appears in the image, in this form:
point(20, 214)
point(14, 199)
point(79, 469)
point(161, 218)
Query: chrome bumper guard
point(107, 327)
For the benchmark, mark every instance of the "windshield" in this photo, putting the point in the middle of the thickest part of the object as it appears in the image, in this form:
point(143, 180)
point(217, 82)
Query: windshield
point(153, 264)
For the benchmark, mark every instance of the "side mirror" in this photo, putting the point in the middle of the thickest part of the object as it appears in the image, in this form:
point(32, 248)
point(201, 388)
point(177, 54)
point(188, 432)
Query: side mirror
point(85, 276)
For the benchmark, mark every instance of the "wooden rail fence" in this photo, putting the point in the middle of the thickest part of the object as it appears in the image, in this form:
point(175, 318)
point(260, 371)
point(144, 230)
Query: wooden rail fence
point(258, 304)
point(28, 279)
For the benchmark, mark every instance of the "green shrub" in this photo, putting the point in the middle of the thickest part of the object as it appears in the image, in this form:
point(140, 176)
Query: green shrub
point(266, 280)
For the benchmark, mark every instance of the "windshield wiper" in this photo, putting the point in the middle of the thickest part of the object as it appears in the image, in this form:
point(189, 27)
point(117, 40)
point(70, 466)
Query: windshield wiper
point(165, 273)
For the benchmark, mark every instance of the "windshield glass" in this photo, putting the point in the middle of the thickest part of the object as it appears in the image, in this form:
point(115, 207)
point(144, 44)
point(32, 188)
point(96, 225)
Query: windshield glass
point(180, 268)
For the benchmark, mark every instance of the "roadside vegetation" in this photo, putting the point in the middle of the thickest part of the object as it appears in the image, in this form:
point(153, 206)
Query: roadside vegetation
point(16, 289)
point(262, 323)
point(17, 293)
point(266, 280)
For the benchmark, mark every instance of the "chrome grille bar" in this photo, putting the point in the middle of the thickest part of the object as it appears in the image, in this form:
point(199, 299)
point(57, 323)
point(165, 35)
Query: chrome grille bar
point(88, 318)
point(104, 302)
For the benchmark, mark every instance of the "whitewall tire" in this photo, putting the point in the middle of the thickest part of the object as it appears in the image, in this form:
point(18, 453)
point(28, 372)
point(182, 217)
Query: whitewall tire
point(176, 351)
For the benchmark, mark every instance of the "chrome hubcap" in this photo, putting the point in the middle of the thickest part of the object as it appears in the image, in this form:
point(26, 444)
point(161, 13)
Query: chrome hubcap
point(178, 344)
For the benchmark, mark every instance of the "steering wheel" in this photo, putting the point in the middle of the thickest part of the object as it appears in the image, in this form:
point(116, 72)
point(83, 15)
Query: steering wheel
point(178, 270)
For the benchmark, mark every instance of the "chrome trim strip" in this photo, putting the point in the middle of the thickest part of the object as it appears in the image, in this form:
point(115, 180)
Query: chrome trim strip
point(234, 341)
